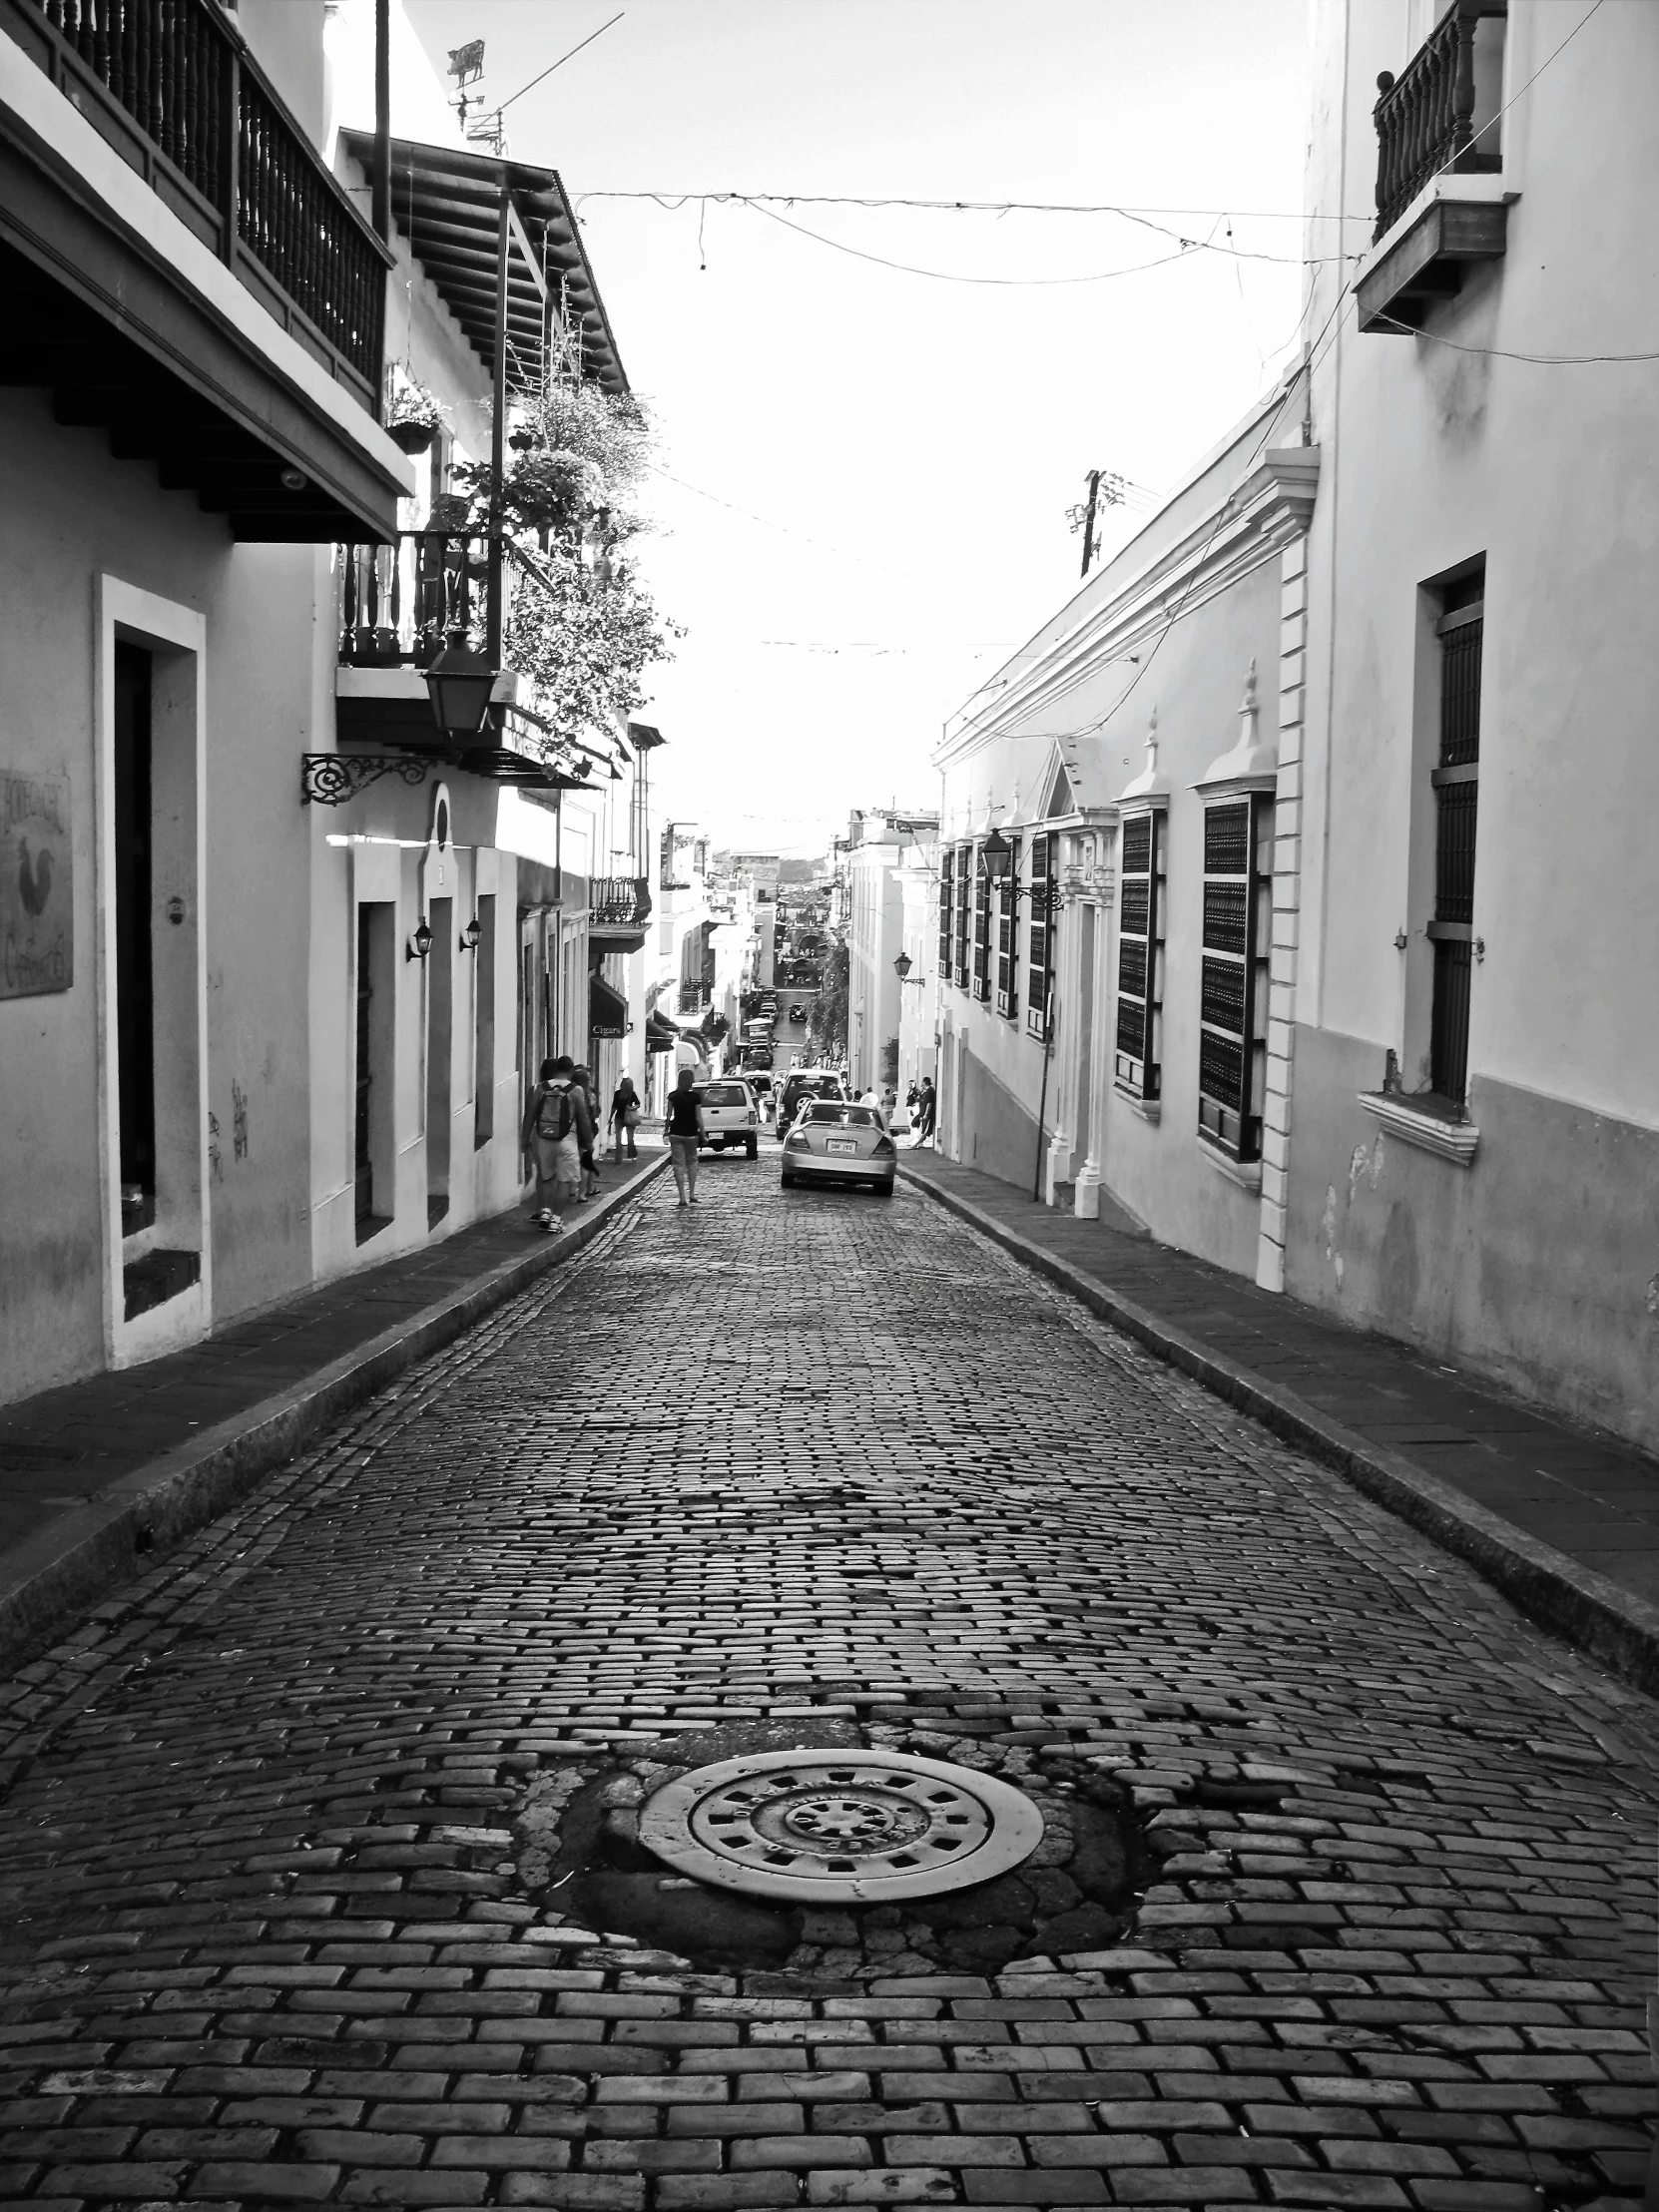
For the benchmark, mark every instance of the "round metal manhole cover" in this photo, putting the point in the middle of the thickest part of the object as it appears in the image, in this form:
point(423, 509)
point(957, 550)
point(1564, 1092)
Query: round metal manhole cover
point(841, 1827)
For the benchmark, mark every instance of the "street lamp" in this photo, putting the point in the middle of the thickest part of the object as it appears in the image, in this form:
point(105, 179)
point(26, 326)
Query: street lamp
point(469, 936)
point(901, 968)
point(461, 681)
point(996, 858)
point(420, 943)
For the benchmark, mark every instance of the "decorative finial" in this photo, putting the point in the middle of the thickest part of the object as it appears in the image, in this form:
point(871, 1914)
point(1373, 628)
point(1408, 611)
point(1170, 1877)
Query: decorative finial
point(1152, 742)
point(1246, 708)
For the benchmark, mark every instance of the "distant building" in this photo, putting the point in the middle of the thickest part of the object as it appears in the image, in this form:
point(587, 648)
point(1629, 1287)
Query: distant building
point(880, 848)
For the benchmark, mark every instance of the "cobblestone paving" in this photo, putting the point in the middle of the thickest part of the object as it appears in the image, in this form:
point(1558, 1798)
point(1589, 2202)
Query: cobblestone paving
point(267, 1940)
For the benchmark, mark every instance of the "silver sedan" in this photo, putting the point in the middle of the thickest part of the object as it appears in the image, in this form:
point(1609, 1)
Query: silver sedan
point(833, 1142)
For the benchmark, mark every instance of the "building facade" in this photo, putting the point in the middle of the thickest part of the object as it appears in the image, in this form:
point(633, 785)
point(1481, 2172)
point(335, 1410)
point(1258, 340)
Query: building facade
point(879, 846)
point(1474, 1162)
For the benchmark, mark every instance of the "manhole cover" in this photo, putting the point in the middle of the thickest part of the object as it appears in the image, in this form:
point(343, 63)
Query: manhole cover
point(841, 1827)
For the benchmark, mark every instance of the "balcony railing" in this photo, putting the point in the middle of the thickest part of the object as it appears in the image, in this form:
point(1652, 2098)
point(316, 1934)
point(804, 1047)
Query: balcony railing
point(620, 902)
point(1426, 116)
point(171, 85)
point(401, 603)
point(694, 999)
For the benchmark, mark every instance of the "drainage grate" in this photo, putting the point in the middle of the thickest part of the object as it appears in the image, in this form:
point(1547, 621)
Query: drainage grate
point(839, 1827)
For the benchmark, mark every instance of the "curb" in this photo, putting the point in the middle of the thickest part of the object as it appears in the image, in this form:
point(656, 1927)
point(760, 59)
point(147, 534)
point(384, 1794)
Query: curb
point(78, 1561)
point(1611, 1625)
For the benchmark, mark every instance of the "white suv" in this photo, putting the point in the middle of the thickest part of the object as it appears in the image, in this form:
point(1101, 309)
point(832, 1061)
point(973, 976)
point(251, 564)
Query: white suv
point(731, 1115)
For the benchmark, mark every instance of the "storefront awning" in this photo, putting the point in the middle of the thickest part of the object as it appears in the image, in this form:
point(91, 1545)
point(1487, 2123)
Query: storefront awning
point(606, 1010)
point(660, 1035)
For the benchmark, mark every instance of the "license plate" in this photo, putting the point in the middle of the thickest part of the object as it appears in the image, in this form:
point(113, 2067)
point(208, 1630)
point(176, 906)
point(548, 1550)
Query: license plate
point(840, 1144)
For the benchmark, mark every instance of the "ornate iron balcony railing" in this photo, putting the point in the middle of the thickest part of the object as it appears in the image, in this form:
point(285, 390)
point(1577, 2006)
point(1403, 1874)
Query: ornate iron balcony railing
point(620, 902)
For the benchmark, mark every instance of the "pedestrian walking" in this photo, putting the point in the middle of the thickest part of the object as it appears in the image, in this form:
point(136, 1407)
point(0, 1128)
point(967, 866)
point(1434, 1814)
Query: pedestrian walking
point(550, 1136)
point(625, 1119)
point(683, 1126)
point(587, 1135)
point(927, 1107)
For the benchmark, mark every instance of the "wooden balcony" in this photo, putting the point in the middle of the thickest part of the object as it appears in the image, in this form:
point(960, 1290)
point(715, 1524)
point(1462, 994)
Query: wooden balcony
point(402, 602)
point(147, 337)
point(1437, 123)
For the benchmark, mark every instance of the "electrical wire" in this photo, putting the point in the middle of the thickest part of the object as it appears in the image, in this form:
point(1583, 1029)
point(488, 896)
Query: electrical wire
point(1505, 353)
point(559, 64)
point(948, 276)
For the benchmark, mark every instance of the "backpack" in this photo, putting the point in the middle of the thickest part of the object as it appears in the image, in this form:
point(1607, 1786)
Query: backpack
point(559, 1100)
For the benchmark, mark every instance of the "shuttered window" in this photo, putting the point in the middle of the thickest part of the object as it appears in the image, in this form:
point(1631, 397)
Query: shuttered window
point(1136, 1064)
point(1456, 785)
point(981, 930)
point(1039, 940)
point(946, 865)
point(1233, 971)
point(959, 944)
point(1007, 938)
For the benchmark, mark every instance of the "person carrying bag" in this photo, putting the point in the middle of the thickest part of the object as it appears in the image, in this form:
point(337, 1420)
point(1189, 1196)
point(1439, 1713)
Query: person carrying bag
point(625, 1119)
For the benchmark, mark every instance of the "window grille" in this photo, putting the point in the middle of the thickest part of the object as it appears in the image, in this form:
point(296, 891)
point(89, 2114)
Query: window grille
point(1233, 973)
point(1457, 785)
point(1039, 934)
point(946, 870)
point(959, 943)
point(1137, 1063)
point(981, 931)
point(1007, 938)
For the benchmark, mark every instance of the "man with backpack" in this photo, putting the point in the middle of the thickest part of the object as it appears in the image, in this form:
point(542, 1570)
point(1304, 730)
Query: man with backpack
point(552, 1136)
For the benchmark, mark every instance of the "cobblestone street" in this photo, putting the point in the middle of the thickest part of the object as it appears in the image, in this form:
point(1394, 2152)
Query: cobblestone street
point(278, 1825)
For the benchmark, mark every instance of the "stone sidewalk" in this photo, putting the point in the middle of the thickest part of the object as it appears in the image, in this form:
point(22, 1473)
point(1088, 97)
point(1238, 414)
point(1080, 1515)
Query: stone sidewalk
point(99, 1473)
point(1564, 1521)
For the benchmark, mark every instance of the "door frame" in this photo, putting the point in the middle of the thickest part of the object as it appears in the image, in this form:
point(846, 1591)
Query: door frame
point(173, 634)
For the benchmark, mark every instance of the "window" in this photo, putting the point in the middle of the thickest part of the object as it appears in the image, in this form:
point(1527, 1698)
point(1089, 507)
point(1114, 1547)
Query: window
point(1137, 1066)
point(982, 932)
point(1232, 988)
point(1457, 785)
point(946, 868)
point(1007, 938)
point(1039, 936)
point(844, 1117)
point(959, 951)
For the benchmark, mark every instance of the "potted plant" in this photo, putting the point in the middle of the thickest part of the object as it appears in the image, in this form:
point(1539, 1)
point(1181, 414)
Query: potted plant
point(413, 416)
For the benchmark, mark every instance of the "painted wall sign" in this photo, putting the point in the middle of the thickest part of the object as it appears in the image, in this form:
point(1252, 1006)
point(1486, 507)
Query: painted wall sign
point(37, 936)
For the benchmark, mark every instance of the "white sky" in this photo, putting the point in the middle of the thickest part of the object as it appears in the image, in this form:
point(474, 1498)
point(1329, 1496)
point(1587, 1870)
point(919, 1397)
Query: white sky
point(910, 446)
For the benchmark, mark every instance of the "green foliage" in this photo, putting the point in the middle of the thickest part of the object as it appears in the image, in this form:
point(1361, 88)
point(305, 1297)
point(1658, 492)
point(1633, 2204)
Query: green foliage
point(583, 641)
point(826, 1028)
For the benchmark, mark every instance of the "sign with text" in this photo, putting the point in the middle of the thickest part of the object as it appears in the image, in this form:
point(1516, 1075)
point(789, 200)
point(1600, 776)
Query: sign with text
point(37, 939)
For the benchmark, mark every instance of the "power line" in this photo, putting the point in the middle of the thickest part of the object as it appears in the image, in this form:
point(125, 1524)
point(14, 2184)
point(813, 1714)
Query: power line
point(673, 200)
point(559, 64)
point(1505, 354)
point(948, 276)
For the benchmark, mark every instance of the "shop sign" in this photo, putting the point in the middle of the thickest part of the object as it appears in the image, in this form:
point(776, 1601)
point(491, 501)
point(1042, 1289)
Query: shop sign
point(37, 939)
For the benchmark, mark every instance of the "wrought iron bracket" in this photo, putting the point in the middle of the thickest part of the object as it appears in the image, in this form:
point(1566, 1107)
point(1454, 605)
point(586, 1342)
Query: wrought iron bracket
point(330, 778)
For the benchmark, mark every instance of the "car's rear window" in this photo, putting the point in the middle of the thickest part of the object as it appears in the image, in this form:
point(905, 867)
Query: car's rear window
point(724, 1094)
point(845, 1117)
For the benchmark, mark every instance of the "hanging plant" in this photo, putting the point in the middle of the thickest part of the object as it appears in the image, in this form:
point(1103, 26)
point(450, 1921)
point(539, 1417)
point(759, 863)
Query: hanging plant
point(413, 416)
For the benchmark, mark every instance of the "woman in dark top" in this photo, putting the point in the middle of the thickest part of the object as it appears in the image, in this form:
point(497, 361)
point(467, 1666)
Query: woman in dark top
point(625, 1118)
point(683, 1126)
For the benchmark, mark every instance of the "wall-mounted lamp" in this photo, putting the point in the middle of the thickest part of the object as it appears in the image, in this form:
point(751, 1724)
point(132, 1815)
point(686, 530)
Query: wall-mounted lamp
point(420, 943)
point(469, 936)
point(996, 858)
point(459, 683)
point(901, 968)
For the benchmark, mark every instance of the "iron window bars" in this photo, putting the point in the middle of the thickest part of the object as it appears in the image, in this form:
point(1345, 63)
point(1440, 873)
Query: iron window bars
point(1007, 938)
point(1136, 1064)
point(1457, 785)
point(1233, 988)
point(959, 946)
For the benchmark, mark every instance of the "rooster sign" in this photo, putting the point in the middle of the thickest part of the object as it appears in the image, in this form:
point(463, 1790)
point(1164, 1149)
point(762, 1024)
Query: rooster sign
point(35, 931)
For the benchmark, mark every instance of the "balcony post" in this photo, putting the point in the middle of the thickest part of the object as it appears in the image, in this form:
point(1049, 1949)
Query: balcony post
point(498, 433)
point(381, 200)
point(230, 151)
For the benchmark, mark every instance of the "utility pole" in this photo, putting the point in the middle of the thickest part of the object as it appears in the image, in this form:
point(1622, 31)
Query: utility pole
point(1088, 518)
point(498, 450)
point(380, 183)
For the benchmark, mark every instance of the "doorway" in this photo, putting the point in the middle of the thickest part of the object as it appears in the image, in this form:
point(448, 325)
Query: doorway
point(135, 1002)
point(440, 1053)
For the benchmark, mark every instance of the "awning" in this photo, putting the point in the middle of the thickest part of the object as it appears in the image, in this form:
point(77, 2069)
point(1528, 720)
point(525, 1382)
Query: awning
point(660, 1035)
point(447, 204)
point(608, 1014)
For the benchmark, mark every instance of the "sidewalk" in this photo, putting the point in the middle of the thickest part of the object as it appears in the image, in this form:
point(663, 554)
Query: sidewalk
point(100, 1474)
point(1563, 1520)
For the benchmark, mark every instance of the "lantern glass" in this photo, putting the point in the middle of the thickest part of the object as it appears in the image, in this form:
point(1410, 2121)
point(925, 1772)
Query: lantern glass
point(902, 965)
point(996, 857)
point(460, 683)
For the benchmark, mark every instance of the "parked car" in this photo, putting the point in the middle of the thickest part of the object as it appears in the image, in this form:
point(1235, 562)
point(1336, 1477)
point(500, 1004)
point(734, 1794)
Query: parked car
point(803, 1083)
point(731, 1116)
point(835, 1141)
